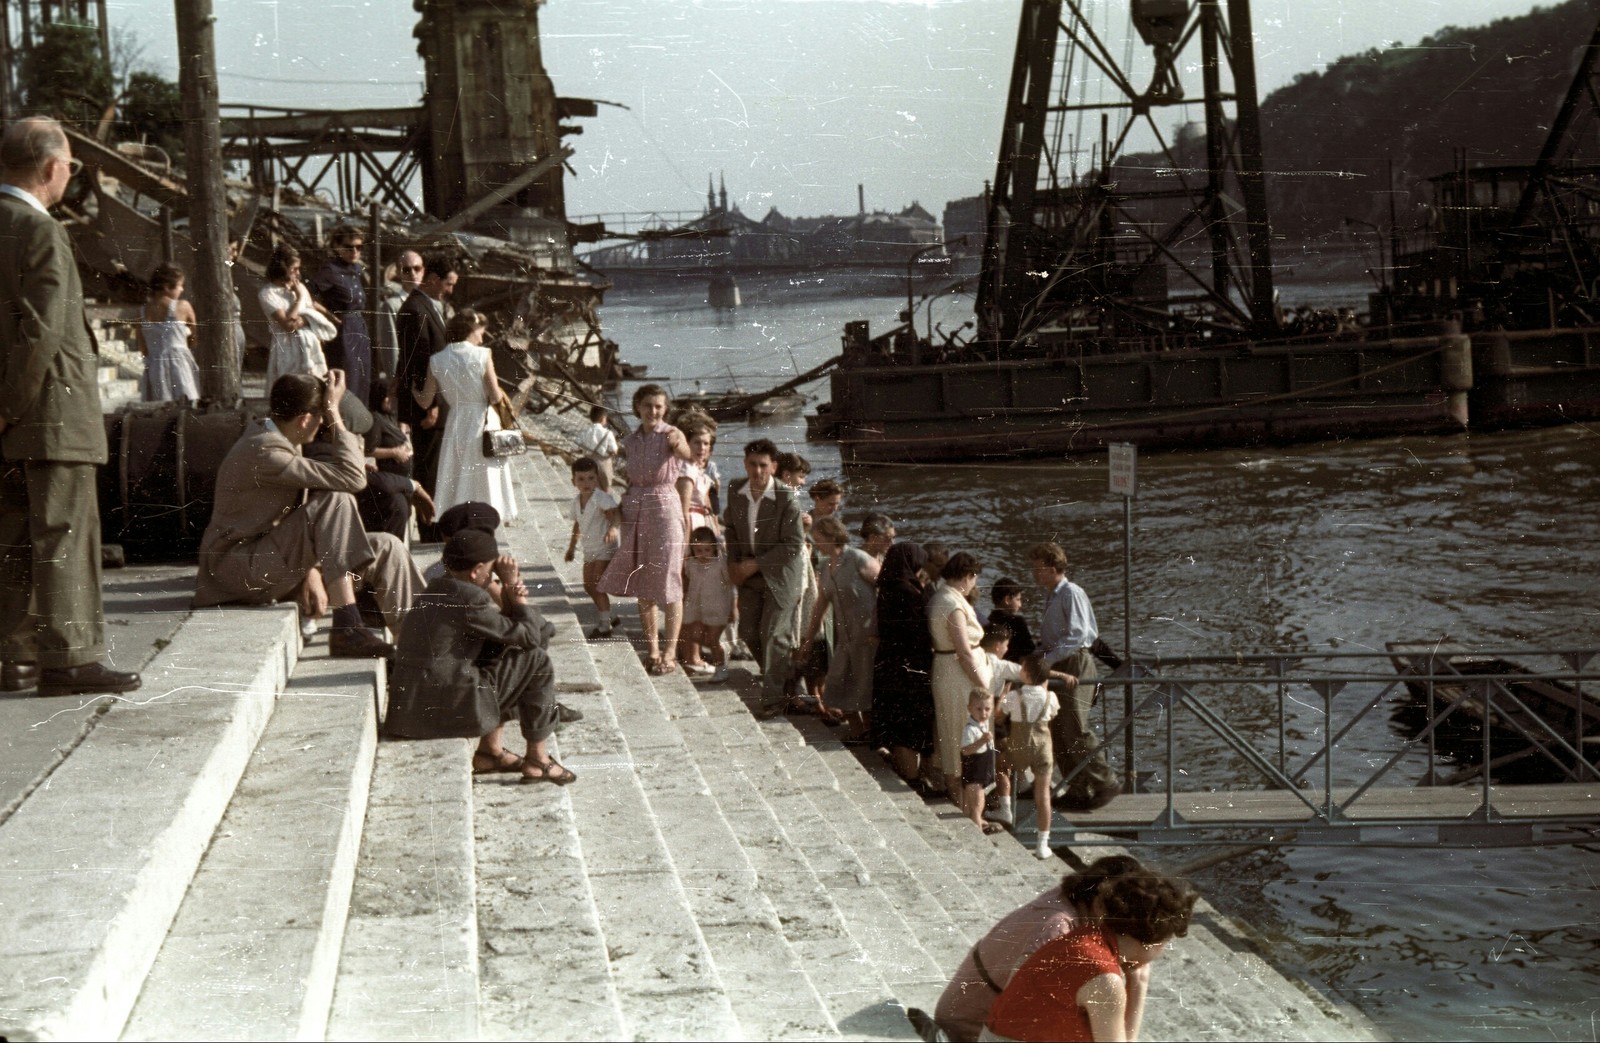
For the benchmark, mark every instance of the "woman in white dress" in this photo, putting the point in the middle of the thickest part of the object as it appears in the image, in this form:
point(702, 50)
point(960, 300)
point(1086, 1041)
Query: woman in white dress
point(166, 329)
point(293, 318)
point(463, 374)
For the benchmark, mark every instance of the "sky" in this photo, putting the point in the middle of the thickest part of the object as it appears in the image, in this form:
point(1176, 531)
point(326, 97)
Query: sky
point(795, 102)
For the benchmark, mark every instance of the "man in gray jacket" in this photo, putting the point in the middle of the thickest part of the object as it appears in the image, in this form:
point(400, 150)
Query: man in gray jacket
point(471, 656)
point(766, 562)
point(52, 436)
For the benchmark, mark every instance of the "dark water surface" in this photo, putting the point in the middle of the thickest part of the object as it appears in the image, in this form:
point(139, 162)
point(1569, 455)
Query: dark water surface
point(1491, 540)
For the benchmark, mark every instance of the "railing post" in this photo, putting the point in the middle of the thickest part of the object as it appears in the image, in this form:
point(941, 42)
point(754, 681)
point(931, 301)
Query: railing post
point(1488, 726)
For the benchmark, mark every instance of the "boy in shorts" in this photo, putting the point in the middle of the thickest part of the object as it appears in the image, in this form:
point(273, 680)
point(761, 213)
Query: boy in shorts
point(1030, 709)
point(597, 522)
point(977, 757)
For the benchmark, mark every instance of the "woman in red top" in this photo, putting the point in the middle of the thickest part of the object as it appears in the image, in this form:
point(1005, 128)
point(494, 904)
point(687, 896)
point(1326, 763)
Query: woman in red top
point(1091, 984)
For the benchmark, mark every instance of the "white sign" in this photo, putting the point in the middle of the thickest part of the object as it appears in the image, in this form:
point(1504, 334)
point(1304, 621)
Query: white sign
point(1124, 471)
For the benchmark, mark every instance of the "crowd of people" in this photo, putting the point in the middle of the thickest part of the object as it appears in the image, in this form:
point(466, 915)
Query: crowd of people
point(881, 638)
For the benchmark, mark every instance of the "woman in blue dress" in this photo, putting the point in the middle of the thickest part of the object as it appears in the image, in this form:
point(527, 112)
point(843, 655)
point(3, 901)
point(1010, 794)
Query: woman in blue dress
point(338, 288)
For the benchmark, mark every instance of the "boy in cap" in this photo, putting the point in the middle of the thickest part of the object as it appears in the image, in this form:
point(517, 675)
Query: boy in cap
point(471, 656)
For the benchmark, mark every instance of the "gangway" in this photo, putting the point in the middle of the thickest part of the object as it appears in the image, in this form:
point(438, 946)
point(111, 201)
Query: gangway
point(1295, 748)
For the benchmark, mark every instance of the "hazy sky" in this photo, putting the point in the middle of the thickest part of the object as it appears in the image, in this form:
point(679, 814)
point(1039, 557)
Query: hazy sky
point(797, 101)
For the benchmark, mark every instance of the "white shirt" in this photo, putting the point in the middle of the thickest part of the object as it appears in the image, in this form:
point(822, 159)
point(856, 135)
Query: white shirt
point(598, 442)
point(591, 521)
point(770, 493)
point(971, 733)
point(1030, 703)
point(1068, 623)
point(1001, 671)
point(26, 196)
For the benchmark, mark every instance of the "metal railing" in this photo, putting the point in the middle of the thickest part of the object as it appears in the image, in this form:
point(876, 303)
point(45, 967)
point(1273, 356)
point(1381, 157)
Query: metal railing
point(1523, 719)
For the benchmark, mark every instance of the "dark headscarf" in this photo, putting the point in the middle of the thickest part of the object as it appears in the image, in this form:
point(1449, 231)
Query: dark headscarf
point(902, 565)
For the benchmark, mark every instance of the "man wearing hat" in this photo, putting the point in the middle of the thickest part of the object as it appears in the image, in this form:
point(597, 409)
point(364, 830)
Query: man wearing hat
point(286, 525)
point(471, 656)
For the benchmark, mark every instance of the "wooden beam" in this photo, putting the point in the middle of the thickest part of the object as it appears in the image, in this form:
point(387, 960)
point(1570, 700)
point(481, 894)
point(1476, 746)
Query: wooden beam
point(475, 210)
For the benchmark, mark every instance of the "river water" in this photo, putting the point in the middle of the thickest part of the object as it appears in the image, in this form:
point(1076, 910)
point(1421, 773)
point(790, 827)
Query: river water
point(1492, 540)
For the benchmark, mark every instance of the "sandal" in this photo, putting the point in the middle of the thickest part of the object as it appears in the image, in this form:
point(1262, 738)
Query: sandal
point(549, 771)
point(661, 666)
point(505, 762)
point(991, 828)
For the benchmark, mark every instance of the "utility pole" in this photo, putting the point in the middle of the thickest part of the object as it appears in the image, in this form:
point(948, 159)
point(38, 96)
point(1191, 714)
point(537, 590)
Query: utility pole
point(208, 210)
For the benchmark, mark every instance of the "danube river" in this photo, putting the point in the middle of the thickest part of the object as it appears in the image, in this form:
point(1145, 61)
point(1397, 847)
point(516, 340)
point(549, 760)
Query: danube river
point(1492, 540)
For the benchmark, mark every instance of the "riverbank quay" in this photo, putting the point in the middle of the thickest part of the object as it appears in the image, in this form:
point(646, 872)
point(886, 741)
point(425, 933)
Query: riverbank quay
point(230, 853)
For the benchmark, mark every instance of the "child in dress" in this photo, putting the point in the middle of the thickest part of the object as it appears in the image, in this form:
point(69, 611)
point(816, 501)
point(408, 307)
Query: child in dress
point(1007, 595)
point(166, 331)
point(707, 603)
point(977, 757)
point(1030, 709)
point(597, 523)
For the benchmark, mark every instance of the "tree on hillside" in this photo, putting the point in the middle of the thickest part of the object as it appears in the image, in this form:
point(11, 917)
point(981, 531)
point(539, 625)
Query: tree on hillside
point(65, 74)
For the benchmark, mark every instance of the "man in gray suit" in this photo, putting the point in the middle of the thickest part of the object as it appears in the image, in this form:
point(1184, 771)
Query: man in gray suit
point(52, 436)
point(284, 525)
point(766, 555)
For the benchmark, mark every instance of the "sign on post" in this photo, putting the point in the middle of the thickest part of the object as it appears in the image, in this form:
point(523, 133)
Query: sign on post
point(1124, 468)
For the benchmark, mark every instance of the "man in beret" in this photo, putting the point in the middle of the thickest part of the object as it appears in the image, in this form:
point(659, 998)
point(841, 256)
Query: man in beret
point(471, 656)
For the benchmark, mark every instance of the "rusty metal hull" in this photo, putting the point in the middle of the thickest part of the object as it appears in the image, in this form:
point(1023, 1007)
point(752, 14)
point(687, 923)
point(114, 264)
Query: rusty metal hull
point(1194, 399)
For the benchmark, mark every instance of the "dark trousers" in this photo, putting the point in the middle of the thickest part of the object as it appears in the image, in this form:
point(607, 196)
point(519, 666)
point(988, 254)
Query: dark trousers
point(526, 686)
point(1071, 733)
point(385, 504)
point(50, 610)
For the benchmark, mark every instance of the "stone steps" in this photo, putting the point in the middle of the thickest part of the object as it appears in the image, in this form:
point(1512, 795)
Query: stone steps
point(95, 862)
point(910, 883)
point(254, 946)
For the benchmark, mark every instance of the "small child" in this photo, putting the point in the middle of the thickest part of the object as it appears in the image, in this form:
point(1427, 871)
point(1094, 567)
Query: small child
point(707, 604)
point(1007, 594)
point(1031, 708)
point(599, 443)
point(977, 757)
point(596, 521)
point(1002, 671)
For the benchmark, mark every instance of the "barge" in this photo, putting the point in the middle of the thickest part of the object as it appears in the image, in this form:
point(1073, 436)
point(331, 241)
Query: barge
point(1132, 301)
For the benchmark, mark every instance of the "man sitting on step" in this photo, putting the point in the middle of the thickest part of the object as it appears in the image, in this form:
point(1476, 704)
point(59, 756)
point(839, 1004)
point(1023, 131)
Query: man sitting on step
point(284, 525)
point(471, 657)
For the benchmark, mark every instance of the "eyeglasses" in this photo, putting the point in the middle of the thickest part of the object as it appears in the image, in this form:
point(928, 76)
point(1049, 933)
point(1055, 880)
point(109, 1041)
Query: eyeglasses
point(73, 166)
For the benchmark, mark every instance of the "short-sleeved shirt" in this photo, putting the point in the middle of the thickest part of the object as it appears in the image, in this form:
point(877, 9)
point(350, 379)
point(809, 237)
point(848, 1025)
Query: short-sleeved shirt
point(591, 520)
point(1031, 703)
point(971, 733)
point(1001, 671)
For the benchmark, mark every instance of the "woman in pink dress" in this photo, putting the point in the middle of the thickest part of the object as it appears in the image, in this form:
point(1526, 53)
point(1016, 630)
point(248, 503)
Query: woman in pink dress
point(649, 564)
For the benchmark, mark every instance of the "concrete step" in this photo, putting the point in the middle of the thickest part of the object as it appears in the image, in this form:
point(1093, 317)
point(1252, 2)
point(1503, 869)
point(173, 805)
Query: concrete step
point(94, 864)
point(253, 950)
point(767, 946)
point(409, 965)
point(861, 872)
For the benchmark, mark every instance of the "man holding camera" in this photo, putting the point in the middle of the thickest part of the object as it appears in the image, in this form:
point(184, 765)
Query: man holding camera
point(286, 525)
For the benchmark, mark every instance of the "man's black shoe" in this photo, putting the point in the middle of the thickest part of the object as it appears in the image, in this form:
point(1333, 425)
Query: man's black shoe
point(566, 714)
point(88, 679)
point(354, 643)
point(17, 677)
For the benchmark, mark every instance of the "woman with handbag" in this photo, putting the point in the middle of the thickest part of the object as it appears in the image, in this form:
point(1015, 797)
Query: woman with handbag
point(299, 325)
point(463, 374)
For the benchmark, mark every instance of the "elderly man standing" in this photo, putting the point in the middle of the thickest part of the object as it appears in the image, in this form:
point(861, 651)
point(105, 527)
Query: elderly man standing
point(1066, 634)
point(52, 436)
point(385, 341)
point(766, 554)
point(285, 525)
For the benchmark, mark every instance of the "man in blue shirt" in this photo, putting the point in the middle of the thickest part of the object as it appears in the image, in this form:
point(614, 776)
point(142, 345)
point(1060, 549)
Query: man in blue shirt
point(1065, 636)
